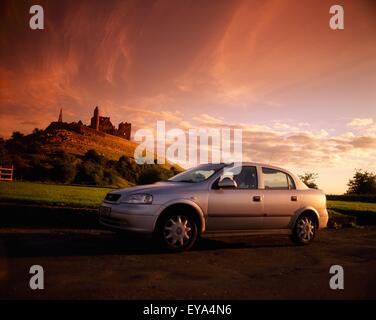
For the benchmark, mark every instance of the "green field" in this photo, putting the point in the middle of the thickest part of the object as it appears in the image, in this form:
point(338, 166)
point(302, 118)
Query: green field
point(365, 213)
point(49, 194)
point(351, 206)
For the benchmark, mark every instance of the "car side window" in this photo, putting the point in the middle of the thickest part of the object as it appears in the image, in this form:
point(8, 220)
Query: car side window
point(277, 180)
point(245, 179)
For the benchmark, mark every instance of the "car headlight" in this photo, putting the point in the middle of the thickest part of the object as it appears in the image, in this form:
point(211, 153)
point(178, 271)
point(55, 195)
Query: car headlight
point(141, 198)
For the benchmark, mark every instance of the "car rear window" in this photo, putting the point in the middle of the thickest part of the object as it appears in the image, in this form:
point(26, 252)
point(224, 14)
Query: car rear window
point(277, 180)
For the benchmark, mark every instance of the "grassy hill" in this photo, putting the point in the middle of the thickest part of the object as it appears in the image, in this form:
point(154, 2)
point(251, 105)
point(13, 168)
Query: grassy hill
point(78, 143)
point(111, 147)
point(80, 155)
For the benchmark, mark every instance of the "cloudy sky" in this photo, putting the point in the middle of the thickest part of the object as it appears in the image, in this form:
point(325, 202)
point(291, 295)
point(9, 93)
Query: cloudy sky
point(305, 95)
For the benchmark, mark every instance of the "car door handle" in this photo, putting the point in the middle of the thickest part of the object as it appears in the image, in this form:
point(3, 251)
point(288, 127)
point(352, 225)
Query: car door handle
point(294, 198)
point(256, 198)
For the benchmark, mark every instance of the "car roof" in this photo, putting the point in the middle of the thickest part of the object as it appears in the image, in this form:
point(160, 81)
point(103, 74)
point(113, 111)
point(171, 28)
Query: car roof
point(248, 163)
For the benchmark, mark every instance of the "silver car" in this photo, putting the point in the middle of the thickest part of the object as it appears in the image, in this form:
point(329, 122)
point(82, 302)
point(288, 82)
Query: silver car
point(218, 200)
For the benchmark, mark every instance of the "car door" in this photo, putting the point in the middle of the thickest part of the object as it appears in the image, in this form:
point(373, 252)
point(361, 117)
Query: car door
point(281, 199)
point(239, 208)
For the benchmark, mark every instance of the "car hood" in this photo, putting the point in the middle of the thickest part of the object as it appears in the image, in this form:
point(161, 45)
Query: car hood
point(155, 187)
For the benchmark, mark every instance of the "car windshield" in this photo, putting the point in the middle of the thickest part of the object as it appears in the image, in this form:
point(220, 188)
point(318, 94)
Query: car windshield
point(197, 174)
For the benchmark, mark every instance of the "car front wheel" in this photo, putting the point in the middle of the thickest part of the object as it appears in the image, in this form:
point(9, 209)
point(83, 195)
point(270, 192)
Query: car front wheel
point(305, 230)
point(177, 232)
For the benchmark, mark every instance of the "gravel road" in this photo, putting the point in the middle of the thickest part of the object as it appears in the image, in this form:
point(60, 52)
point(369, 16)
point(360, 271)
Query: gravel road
point(99, 264)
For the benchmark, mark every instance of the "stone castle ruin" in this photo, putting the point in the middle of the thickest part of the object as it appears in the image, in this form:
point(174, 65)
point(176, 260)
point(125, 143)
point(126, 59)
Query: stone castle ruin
point(98, 125)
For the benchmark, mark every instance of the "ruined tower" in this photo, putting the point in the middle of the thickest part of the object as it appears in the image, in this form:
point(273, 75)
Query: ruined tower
point(124, 130)
point(95, 119)
point(60, 116)
point(104, 124)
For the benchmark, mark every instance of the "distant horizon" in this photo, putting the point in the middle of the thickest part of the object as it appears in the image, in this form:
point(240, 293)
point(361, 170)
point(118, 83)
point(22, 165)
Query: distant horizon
point(187, 167)
point(303, 94)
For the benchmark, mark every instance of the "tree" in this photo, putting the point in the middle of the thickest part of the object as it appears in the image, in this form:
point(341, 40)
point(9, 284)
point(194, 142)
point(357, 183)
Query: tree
point(309, 179)
point(40, 169)
point(21, 166)
point(363, 182)
point(16, 135)
point(4, 156)
point(16, 143)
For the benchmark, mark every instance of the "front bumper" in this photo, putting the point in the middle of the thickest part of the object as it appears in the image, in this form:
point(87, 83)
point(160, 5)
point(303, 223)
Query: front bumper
point(137, 218)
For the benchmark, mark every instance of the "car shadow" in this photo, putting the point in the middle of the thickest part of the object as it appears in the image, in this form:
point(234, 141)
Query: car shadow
point(245, 242)
point(67, 243)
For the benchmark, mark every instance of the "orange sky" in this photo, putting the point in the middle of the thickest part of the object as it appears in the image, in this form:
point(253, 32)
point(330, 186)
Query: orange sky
point(304, 94)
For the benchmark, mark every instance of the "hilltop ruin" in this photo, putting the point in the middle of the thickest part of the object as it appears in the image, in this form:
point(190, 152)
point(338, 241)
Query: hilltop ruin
point(99, 125)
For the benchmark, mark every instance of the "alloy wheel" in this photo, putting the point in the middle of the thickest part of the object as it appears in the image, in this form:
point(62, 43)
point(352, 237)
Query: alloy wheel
point(177, 231)
point(305, 229)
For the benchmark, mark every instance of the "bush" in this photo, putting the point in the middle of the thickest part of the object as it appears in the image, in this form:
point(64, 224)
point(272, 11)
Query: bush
point(128, 169)
point(64, 169)
point(153, 173)
point(94, 156)
point(89, 172)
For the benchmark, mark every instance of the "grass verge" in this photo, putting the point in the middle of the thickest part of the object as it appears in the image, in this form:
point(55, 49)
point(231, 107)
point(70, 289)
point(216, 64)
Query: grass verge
point(51, 194)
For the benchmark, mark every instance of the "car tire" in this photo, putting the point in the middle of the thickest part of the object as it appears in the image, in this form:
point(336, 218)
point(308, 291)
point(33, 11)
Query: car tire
point(304, 230)
point(177, 232)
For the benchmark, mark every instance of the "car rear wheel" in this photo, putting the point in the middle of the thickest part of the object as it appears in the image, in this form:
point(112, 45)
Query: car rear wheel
point(305, 230)
point(177, 232)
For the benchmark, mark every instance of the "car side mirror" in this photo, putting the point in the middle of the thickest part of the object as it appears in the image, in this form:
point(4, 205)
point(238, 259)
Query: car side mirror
point(227, 183)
